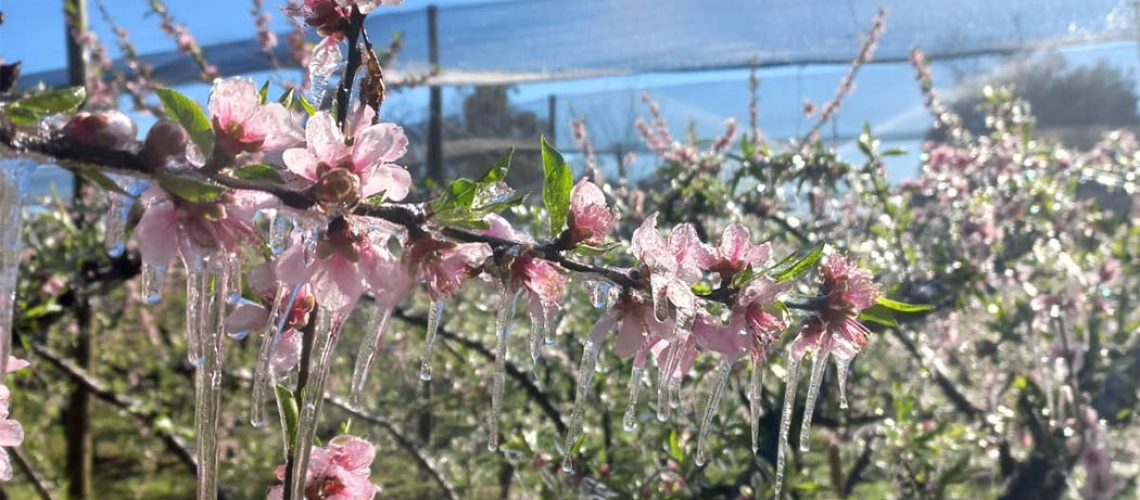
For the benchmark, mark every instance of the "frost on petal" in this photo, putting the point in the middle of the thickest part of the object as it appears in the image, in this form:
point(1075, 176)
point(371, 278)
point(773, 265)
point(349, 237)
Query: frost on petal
point(352, 453)
point(542, 279)
point(604, 326)
point(691, 253)
point(291, 268)
point(392, 180)
point(380, 143)
point(273, 125)
point(589, 218)
point(712, 335)
point(233, 100)
point(301, 162)
point(157, 234)
point(631, 336)
point(646, 238)
point(325, 141)
point(287, 352)
point(502, 229)
point(340, 285)
point(11, 433)
point(388, 280)
point(262, 280)
point(246, 317)
point(734, 242)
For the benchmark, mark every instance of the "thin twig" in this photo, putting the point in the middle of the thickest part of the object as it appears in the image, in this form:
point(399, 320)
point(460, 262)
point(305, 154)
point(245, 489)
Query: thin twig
point(38, 482)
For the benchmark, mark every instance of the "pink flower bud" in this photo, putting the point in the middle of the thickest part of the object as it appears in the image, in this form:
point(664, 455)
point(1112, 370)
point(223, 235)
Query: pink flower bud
point(165, 139)
point(589, 218)
point(103, 129)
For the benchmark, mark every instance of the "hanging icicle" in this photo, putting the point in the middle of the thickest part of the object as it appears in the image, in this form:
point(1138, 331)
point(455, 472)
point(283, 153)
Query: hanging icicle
point(153, 281)
point(262, 375)
point(793, 379)
point(325, 336)
point(207, 284)
point(14, 173)
point(435, 314)
point(818, 364)
point(280, 223)
point(369, 348)
point(711, 408)
point(755, 401)
point(842, 368)
point(629, 419)
point(669, 387)
point(119, 211)
point(503, 321)
point(325, 60)
point(585, 379)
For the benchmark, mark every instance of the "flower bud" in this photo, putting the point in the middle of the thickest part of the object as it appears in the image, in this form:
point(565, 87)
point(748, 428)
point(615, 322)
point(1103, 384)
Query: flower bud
point(104, 129)
point(165, 139)
point(338, 186)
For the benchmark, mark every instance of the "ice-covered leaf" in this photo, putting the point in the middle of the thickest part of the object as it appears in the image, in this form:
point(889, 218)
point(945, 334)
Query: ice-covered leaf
point(258, 172)
point(557, 184)
point(902, 307)
point(191, 190)
point(799, 267)
point(29, 110)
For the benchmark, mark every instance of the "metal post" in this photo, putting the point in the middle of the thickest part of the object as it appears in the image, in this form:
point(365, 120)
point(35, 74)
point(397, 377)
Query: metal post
point(435, 111)
point(552, 120)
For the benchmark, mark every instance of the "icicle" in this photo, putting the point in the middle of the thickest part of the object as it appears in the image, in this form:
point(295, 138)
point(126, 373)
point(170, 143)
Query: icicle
point(369, 348)
point(325, 59)
point(668, 389)
point(793, 379)
point(279, 226)
point(13, 183)
point(324, 342)
point(755, 401)
point(710, 410)
point(585, 380)
point(658, 288)
point(548, 333)
point(503, 322)
point(537, 333)
point(600, 294)
point(153, 280)
point(212, 275)
point(197, 303)
point(262, 376)
point(818, 364)
point(629, 420)
point(435, 314)
point(842, 368)
point(115, 224)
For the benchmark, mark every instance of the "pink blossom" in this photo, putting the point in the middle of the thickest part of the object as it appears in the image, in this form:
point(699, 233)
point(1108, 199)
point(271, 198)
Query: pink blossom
point(344, 174)
point(242, 124)
point(544, 282)
point(589, 220)
point(249, 315)
point(338, 472)
point(641, 335)
point(442, 265)
point(329, 17)
point(835, 330)
point(737, 253)
point(345, 264)
point(673, 265)
point(172, 227)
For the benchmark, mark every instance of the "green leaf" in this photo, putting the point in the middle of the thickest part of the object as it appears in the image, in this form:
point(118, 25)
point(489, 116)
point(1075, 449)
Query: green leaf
point(29, 110)
point(191, 190)
point(593, 251)
point(879, 315)
point(675, 446)
point(187, 113)
point(286, 99)
point(902, 307)
point(558, 181)
point(702, 288)
point(263, 94)
point(288, 406)
point(305, 105)
point(97, 177)
point(466, 201)
point(801, 266)
point(894, 152)
point(258, 172)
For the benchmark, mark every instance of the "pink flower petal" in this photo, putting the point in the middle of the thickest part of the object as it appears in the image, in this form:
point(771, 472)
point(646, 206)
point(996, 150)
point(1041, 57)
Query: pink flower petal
point(301, 162)
point(275, 126)
point(233, 100)
point(392, 180)
point(157, 234)
point(380, 143)
point(325, 141)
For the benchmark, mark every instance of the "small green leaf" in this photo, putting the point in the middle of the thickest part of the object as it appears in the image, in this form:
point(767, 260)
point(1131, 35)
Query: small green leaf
point(288, 407)
point(187, 113)
point(263, 94)
point(593, 251)
point(801, 266)
point(258, 172)
point(499, 169)
point(305, 105)
point(94, 175)
point(559, 181)
point(894, 152)
point(879, 315)
point(191, 190)
point(286, 99)
point(29, 110)
point(675, 446)
point(902, 307)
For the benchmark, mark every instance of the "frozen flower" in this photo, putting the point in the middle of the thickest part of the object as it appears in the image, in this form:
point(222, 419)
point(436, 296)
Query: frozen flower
point(544, 282)
point(242, 124)
point(589, 219)
point(344, 265)
point(328, 17)
point(737, 253)
point(338, 472)
point(249, 315)
point(835, 330)
point(345, 174)
point(673, 265)
point(443, 266)
point(172, 227)
point(641, 335)
point(103, 129)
